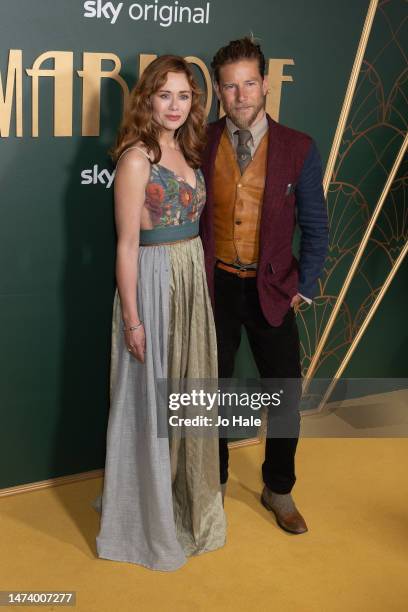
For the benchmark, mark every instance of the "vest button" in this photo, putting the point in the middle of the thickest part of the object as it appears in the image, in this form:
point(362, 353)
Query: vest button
point(239, 184)
point(238, 222)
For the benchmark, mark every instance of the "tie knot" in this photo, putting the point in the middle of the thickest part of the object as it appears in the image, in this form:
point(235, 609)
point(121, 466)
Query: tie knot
point(244, 136)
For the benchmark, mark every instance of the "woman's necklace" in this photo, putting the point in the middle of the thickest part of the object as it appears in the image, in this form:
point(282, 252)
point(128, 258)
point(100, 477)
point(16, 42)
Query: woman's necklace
point(178, 177)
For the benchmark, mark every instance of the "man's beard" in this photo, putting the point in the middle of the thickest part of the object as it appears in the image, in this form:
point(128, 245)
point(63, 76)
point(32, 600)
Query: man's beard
point(244, 121)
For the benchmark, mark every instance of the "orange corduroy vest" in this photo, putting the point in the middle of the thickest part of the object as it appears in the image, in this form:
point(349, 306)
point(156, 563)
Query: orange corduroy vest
point(238, 202)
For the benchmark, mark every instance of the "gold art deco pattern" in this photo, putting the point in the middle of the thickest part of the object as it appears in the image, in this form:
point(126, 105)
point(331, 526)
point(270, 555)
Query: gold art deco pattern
point(367, 200)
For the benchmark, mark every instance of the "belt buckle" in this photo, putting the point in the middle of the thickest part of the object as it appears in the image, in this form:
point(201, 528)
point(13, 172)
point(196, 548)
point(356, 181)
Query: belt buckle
point(241, 268)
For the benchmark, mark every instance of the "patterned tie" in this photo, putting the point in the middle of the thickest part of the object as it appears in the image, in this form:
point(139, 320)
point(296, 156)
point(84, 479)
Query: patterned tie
point(243, 150)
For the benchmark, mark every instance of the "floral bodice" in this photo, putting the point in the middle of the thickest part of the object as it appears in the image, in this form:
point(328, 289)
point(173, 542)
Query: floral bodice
point(170, 200)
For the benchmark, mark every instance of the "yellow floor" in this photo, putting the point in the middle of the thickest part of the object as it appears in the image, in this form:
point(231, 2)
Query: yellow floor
point(352, 492)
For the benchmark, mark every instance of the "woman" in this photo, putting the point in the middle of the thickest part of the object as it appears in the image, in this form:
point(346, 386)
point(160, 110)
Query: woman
point(161, 499)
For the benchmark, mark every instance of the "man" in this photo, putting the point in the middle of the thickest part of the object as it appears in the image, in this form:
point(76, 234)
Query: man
point(261, 178)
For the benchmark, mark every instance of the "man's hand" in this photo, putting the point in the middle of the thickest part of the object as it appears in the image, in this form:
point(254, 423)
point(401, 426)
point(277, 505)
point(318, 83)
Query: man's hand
point(296, 301)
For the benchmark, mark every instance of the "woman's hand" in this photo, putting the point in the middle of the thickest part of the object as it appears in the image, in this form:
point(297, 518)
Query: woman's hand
point(136, 342)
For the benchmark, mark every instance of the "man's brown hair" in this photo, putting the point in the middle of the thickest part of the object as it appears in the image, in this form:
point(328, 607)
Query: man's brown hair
point(236, 50)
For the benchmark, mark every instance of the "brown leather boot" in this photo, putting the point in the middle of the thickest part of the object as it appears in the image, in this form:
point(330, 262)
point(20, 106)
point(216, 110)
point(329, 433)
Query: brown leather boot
point(287, 515)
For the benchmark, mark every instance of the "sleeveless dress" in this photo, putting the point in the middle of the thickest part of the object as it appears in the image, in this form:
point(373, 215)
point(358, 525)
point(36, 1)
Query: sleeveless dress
point(161, 499)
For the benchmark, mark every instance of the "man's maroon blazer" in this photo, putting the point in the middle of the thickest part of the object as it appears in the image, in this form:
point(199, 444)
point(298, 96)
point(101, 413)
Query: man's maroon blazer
point(293, 194)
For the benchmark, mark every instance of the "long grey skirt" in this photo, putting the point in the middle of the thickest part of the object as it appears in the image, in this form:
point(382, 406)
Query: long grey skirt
point(161, 499)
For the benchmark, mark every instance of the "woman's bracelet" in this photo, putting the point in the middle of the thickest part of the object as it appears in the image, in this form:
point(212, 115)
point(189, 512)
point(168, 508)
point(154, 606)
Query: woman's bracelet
point(133, 327)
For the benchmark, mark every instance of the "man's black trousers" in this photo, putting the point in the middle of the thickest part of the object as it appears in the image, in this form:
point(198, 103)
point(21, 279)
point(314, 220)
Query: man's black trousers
point(277, 355)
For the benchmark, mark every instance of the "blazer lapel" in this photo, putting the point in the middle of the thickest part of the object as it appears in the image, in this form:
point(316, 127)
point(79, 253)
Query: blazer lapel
point(272, 202)
point(214, 142)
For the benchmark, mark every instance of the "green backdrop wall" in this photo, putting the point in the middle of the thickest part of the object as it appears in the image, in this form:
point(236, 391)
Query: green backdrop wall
point(56, 214)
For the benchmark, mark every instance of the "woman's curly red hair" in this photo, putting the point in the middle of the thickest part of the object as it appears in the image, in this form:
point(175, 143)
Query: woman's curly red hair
point(138, 124)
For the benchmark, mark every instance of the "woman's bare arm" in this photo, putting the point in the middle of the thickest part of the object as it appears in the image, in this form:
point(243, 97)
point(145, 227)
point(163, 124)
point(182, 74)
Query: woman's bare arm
point(132, 175)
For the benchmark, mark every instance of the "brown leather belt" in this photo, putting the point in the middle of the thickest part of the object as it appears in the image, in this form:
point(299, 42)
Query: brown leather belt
point(239, 272)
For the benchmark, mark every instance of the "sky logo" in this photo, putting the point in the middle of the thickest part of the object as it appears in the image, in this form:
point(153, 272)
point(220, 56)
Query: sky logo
point(93, 176)
point(165, 15)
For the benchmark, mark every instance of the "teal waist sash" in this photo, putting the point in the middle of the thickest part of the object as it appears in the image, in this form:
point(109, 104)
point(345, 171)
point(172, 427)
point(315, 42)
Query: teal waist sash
point(170, 233)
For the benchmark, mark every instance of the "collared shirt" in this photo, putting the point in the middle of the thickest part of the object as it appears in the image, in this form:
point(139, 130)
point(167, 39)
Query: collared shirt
point(258, 131)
